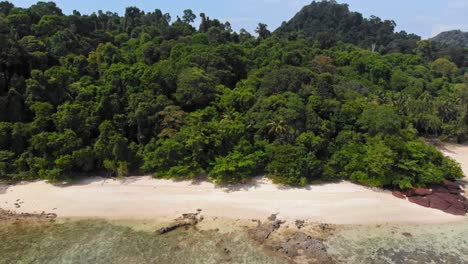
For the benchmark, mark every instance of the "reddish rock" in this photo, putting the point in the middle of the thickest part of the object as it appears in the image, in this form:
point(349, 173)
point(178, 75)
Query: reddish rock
point(410, 193)
point(438, 203)
point(454, 211)
point(423, 201)
point(422, 191)
point(451, 185)
point(447, 197)
point(399, 195)
point(459, 205)
point(440, 189)
point(455, 191)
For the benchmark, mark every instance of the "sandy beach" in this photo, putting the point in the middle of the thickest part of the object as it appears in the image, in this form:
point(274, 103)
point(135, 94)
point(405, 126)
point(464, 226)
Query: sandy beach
point(144, 198)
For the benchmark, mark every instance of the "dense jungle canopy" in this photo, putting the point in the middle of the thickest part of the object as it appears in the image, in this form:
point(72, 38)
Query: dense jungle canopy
point(329, 95)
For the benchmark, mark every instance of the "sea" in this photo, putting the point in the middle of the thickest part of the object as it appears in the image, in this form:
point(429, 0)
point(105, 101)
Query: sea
point(102, 241)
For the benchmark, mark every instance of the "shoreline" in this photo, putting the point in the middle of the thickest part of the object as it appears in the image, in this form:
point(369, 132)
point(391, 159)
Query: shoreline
point(142, 197)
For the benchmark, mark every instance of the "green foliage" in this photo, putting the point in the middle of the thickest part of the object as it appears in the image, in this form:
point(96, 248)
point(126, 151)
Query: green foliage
point(194, 88)
point(291, 164)
point(328, 21)
point(444, 67)
point(330, 95)
point(236, 167)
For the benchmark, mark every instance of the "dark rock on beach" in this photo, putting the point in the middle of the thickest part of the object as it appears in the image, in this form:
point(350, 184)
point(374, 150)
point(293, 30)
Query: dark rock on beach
point(447, 196)
point(438, 203)
point(399, 194)
point(455, 211)
point(451, 185)
point(423, 201)
point(422, 191)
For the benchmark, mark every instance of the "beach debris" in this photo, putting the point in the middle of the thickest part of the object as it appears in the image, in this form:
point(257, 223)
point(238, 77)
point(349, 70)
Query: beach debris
point(190, 219)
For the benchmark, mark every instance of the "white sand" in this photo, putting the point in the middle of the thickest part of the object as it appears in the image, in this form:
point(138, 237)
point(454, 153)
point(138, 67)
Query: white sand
point(144, 198)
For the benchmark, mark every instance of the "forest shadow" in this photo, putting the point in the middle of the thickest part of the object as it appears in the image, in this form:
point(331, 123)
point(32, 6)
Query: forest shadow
point(4, 188)
point(239, 187)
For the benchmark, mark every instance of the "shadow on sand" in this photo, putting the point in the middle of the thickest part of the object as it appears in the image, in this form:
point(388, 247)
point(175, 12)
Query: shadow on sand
point(3, 188)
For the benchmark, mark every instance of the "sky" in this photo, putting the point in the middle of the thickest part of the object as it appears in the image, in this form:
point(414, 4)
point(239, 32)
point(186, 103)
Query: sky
point(425, 18)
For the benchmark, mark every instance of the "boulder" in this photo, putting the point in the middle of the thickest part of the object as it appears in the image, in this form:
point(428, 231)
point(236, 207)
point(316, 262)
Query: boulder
point(438, 203)
point(422, 191)
point(423, 201)
point(398, 194)
point(454, 211)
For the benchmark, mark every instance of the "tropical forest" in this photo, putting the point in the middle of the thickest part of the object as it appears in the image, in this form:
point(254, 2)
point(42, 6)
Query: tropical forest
point(327, 96)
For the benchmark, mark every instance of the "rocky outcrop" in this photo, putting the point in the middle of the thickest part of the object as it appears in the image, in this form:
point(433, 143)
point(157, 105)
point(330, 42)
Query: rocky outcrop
point(420, 200)
point(305, 245)
point(422, 191)
point(263, 230)
point(298, 247)
point(190, 219)
point(447, 197)
point(8, 216)
point(438, 203)
point(398, 194)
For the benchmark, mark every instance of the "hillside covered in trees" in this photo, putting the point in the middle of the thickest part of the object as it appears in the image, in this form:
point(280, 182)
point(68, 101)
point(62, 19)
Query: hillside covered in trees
point(146, 93)
point(453, 38)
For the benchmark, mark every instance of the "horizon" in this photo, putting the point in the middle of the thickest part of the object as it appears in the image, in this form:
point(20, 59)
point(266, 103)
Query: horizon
point(429, 20)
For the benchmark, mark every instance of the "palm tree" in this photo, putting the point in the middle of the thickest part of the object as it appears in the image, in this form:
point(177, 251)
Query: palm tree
point(279, 129)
